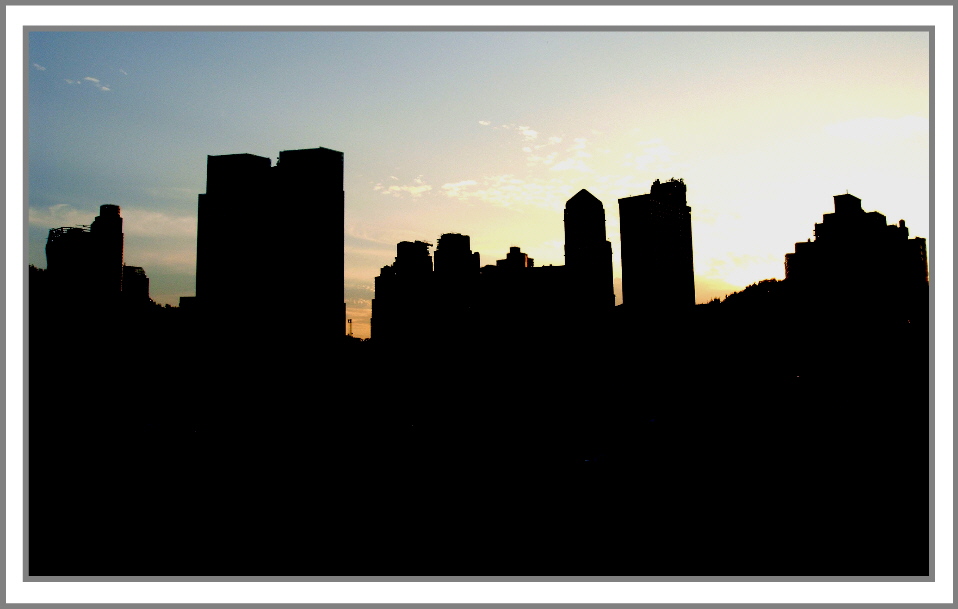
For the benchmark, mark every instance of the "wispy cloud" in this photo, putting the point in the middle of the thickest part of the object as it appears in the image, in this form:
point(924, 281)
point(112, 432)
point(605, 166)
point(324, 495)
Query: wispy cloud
point(537, 159)
point(577, 152)
point(135, 221)
point(590, 161)
point(55, 216)
point(531, 144)
point(528, 134)
point(93, 81)
point(123, 72)
point(415, 189)
point(484, 123)
point(143, 222)
point(38, 67)
point(514, 192)
point(454, 189)
point(651, 155)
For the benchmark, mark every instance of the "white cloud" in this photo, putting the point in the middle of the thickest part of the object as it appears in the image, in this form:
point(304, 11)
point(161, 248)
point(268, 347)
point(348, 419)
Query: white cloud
point(484, 123)
point(651, 156)
point(156, 224)
point(574, 162)
point(454, 189)
point(38, 67)
point(415, 189)
point(530, 135)
point(515, 193)
point(123, 72)
point(94, 81)
point(135, 221)
point(55, 216)
point(541, 160)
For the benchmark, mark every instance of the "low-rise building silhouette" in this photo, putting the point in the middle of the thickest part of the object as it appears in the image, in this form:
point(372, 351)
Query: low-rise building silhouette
point(136, 286)
point(85, 264)
point(461, 302)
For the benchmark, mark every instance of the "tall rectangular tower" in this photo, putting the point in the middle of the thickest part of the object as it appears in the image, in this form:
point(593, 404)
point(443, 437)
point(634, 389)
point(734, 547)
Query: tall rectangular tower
point(656, 242)
point(230, 240)
point(255, 233)
point(588, 255)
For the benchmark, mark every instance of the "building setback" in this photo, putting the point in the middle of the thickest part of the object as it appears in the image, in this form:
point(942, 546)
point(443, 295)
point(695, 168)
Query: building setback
point(656, 242)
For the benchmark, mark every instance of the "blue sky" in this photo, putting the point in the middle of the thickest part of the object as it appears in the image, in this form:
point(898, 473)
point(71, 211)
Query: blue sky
point(483, 133)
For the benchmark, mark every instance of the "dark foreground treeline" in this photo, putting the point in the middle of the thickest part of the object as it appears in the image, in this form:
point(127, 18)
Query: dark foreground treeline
point(729, 441)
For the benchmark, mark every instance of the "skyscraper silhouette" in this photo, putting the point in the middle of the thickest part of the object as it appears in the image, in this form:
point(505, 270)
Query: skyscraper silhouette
point(403, 294)
point(230, 249)
point(656, 242)
point(247, 245)
point(588, 255)
point(107, 233)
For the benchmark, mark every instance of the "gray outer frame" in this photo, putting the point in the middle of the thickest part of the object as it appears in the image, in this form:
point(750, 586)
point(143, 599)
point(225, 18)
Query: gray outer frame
point(929, 29)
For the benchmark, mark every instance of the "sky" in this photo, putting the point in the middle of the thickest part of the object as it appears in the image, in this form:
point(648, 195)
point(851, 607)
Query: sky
point(482, 133)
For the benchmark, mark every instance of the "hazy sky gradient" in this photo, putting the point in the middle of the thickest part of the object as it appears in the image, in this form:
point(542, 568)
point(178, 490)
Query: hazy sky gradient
point(482, 133)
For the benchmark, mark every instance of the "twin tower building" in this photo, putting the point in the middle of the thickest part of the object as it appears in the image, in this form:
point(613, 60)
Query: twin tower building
point(457, 299)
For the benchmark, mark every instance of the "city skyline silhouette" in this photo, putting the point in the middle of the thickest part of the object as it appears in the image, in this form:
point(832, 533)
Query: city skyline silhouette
point(515, 430)
point(573, 364)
